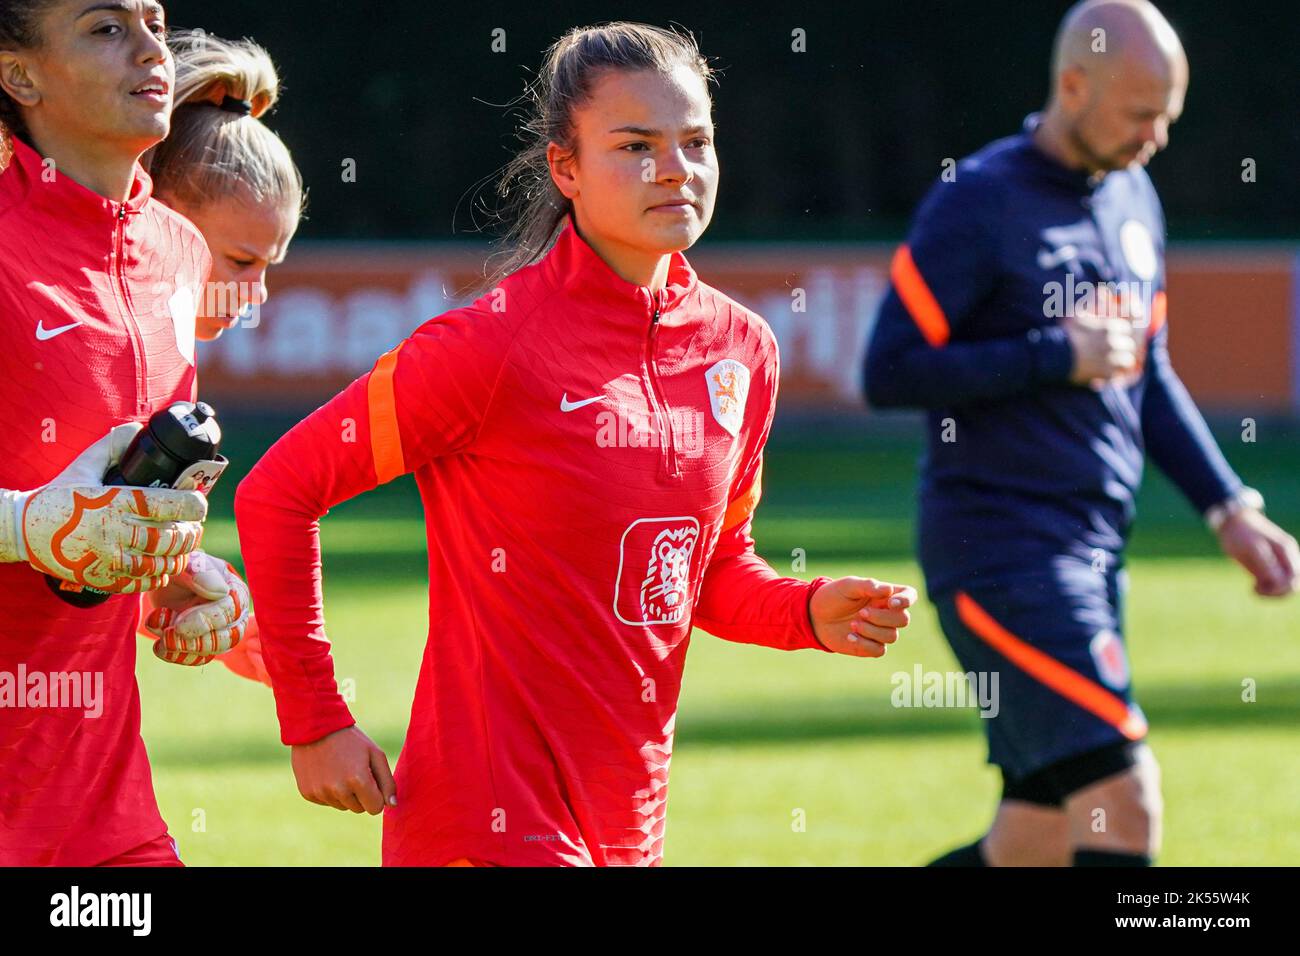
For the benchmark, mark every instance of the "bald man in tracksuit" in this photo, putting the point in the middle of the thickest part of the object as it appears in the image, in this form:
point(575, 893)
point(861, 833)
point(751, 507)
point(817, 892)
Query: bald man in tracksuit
point(1027, 315)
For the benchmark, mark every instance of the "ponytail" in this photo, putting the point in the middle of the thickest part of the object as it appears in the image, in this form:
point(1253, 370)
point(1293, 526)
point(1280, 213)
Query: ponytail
point(218, 147)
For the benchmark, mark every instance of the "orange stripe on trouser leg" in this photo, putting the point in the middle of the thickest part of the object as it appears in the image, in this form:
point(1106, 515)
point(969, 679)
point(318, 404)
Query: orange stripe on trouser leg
point(1047, 670)
point(385, 437)
point(917, 298)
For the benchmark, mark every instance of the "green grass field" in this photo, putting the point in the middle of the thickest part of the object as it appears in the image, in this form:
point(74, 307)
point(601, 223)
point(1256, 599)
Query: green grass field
point(786, 759)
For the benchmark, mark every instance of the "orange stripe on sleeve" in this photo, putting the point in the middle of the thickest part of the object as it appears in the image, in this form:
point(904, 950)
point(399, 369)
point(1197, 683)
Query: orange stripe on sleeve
point(385, 437)
point(744, 506)
point(1159, 306)
point(1069, 683)
point(917, 298)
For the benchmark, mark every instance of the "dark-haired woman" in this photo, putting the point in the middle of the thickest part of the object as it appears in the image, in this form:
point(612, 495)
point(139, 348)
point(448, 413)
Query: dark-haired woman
point(587, 438)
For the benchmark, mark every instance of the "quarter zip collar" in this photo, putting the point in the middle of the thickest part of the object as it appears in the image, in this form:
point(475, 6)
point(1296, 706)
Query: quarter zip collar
point(66, 198)
point(575, 266)
point(1078, 181)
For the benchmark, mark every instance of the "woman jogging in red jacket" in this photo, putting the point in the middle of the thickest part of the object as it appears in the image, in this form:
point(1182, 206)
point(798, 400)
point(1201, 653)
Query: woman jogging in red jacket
point(587, 438)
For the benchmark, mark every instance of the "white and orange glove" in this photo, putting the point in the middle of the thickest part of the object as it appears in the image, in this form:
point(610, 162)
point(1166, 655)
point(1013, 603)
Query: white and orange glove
point(118, 539)
point(202, 613)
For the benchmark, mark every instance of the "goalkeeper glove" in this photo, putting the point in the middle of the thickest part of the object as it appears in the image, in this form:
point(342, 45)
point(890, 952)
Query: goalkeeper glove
point(114, 538)
point(203, 612)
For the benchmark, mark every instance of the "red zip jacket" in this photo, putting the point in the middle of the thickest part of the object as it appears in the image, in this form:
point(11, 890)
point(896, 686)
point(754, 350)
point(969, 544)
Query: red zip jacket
point(589, 457)
point(97, 305)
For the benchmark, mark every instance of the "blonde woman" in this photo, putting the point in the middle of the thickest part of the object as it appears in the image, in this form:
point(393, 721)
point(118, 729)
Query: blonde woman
point(226, 171)
point(233, 177)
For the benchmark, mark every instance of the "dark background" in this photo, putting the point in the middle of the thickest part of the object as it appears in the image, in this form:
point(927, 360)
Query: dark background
point(835, 143)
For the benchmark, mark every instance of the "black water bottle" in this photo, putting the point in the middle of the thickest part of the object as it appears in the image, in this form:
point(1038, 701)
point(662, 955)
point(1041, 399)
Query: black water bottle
point(178, 448)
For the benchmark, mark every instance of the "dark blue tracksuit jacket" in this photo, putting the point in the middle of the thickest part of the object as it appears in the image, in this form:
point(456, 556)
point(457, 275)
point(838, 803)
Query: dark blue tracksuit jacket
point(1021, 465)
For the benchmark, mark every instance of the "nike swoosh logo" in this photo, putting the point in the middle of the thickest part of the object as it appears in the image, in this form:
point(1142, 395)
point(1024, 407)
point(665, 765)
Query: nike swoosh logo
point(43, 334)
point(568, 406)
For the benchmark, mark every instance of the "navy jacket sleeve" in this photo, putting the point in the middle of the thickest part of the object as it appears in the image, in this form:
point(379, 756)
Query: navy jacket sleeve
point(921, 352)
point(1176, 436)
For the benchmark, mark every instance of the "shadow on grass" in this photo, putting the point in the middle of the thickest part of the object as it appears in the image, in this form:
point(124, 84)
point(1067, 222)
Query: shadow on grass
point(759, 722)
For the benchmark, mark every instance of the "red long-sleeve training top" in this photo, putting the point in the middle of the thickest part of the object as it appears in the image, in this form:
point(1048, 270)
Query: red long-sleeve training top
point(97, 305)
point(589, 456)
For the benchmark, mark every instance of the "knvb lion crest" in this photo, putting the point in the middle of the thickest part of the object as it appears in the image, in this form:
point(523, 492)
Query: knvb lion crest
point(728, 384)
point(664, 592)
point(654, 571)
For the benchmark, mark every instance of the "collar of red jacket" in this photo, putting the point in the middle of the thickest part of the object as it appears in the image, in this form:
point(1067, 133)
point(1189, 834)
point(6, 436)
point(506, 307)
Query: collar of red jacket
point(66, 197)
point(573, 263)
